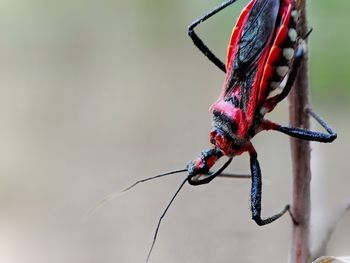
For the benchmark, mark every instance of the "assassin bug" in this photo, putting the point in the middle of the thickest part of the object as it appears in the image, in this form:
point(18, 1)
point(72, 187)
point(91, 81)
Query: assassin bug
point(264, 53)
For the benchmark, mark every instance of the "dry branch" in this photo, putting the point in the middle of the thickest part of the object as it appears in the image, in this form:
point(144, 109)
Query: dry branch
point(298, 102)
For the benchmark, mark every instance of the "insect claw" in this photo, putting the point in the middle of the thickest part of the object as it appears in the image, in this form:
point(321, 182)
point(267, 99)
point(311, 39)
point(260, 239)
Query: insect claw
point(295, 222)
point(308, 33)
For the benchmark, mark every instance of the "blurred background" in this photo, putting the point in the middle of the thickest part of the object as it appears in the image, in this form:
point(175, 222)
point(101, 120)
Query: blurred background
point(97, 94)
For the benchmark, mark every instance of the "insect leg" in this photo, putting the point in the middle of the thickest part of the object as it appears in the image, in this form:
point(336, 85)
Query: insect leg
point(311, 135)
point(299, 133)
point(234, 176)
point(199, 43)
point(207, 178)
point(255, 196)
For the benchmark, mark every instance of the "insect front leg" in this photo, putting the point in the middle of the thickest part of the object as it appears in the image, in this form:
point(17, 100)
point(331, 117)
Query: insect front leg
point(299, 133)
point(256, 194)
point(199, 43)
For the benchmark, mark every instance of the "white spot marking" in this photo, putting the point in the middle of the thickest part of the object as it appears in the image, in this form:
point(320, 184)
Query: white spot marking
point(295, 15)
point(288, 53)
point(284, 82)
point(275, 85)
point(303, 45)
point(274, 93)
point(292, 33)
point(282, 70)
point(263, 110)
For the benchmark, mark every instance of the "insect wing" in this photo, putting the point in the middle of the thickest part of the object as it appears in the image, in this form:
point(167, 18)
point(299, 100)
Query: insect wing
point(257, 33)
point(248, 51)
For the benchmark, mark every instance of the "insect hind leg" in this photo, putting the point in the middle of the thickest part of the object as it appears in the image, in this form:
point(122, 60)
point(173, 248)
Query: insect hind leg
point(199, 43)
point(299, 133)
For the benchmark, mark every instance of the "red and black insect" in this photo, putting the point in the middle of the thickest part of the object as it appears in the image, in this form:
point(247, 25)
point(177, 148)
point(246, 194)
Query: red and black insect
point(264, 53)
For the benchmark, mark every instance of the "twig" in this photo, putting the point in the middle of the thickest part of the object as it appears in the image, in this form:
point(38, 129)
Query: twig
point(298, 101)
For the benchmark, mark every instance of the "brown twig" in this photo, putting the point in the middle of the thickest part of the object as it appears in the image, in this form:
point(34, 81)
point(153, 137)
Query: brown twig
point(298, 101)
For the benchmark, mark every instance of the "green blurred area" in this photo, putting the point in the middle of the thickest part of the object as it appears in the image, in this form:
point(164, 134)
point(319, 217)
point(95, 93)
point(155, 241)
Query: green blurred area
point(330, 50)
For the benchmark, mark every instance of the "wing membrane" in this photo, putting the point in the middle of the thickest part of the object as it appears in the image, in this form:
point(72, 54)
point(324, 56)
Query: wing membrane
point(256, 33)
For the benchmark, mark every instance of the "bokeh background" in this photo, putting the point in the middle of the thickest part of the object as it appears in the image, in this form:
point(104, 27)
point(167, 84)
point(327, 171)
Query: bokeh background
point(97, 94)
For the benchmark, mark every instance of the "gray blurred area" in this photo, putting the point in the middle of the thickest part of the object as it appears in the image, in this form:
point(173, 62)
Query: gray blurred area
point(98, 94)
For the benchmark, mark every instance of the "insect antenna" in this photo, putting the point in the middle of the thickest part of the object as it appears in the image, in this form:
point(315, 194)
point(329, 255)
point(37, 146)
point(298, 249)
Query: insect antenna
point(151, 178)
point(119, 193)
point(161, 217)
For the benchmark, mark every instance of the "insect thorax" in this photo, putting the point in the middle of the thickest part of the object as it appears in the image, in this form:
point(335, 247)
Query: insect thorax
point(228, 127)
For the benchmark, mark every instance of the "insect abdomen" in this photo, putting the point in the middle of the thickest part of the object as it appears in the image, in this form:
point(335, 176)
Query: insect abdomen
point(281, 55)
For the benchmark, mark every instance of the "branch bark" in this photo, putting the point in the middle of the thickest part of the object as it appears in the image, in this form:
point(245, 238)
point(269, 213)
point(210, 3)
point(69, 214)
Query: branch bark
point(300, 149)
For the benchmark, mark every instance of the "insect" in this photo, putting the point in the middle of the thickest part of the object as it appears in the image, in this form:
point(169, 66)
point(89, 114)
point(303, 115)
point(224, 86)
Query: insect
point(264, 54)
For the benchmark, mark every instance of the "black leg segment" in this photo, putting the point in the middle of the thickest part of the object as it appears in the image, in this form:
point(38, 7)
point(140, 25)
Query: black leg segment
point(255, 196)
point(310, 135)
point(198, 179)
point(199, 43)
